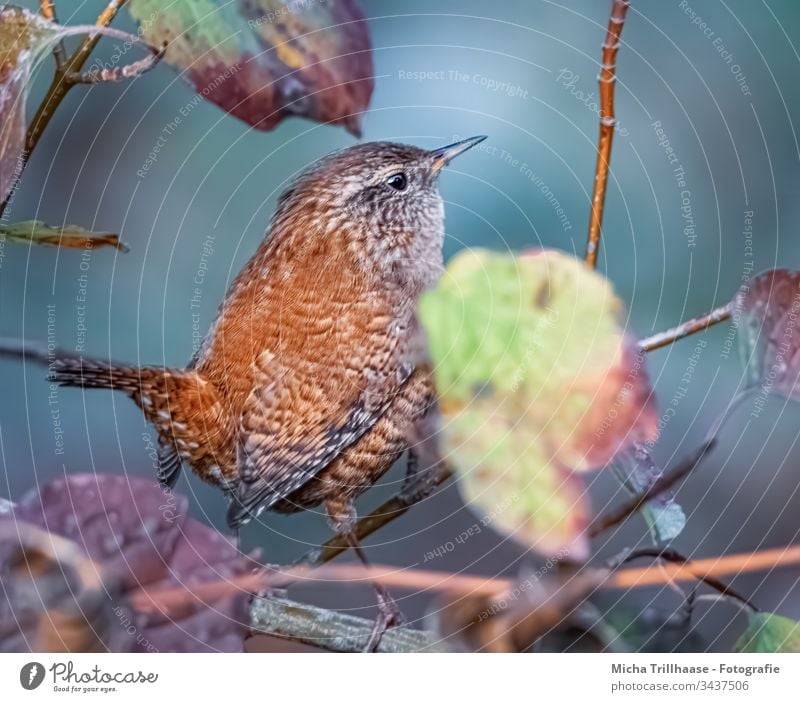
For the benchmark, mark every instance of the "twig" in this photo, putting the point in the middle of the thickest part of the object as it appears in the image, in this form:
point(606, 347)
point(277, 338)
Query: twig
point(377, 519)
point(331, 631)
point(36, 351)
point(692, 326)
point(111, 75)
point(47, 9)
point(61, 84)
point(607, 80)
point(664, 483)
point(672, 556)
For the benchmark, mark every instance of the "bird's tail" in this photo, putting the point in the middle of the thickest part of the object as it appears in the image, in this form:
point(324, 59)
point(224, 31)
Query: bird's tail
point(72, 370)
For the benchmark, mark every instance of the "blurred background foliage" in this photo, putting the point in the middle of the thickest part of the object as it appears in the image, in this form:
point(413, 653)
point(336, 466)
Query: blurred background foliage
point(199, 210)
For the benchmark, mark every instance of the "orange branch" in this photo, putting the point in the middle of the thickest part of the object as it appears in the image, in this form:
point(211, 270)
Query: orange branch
point(657, 574)
point(607, 79)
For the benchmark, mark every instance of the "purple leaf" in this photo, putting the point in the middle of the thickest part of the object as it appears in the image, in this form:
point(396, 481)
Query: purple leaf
point(83, 544)
point(264, 60)
point(769, 339)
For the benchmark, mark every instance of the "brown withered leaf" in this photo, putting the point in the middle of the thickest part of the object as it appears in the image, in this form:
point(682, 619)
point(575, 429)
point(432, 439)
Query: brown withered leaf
point(69, 236)
point(264, 60)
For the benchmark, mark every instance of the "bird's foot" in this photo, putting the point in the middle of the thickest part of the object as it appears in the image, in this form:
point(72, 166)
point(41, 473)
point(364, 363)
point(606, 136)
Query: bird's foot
point(420, 485)
point(389, 616)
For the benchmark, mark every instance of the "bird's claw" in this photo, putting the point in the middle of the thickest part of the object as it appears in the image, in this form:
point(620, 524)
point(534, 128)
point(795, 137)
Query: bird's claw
point(389, 616)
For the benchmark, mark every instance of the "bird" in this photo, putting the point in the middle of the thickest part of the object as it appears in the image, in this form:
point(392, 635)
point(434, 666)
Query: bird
point(314, 378)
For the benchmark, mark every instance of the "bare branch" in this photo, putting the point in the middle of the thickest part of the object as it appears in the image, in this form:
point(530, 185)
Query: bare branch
point(377, 519)
point(664, 483)
point(692, 326)
point(47, 9)
point(671, 556)
point(332, 631)
point(607, 79)
point(61, 83)
point(112, 75)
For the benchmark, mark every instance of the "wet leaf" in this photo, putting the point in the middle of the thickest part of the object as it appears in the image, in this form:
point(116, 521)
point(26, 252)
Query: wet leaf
point(638, 472)
point(69, 236)
point(105, 538)
point(536, 379)
point(770, 633)
point(264, 60)
point(769, 338)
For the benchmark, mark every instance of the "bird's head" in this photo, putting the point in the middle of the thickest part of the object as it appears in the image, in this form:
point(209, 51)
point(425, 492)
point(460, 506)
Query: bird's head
point(381, 202)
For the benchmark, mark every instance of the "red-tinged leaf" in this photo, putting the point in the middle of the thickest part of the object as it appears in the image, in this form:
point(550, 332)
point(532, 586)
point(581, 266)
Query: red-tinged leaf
point(537, 378)
point(769, 331)
point(264, 60)
point(130, 534)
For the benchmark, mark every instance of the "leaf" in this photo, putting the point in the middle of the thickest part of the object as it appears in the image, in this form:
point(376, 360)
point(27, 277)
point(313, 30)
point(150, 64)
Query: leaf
point(769, 338)
point(536, 379)
point(638, 472)
point(106, 537)
point(770, 633)
point(25, 38)
point(264, 60)
point(70, 235)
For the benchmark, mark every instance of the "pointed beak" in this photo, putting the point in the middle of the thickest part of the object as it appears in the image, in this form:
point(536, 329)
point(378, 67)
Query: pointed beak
point(443, 156)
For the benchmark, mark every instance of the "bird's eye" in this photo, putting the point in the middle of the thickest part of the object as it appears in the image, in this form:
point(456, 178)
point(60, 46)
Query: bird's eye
point(398, 181)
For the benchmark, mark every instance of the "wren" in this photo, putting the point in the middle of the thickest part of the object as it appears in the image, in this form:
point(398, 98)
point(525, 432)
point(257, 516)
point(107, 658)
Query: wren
point(313, 380)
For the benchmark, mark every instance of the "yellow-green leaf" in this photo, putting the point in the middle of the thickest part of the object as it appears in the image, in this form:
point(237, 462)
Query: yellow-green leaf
point(536, 378)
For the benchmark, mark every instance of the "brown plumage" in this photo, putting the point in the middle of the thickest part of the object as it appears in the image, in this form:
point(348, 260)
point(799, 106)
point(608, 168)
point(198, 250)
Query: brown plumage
point(312, 380)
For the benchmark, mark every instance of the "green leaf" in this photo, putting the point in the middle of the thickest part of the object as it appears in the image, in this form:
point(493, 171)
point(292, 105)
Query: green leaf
point(264, 60)
point(638, 472)
point(770, 633)
point(69, 236)
point(536, 379)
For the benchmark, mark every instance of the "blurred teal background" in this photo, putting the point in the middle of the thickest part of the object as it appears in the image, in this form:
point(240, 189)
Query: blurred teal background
point(732, 123)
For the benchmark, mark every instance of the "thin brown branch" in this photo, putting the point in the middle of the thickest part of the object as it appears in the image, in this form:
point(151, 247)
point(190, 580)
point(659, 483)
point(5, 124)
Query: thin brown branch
point(47, 9)
point(692, 326)
point(672, 556)
point(664, 483)
point(607, 79)
point(61, 85)
point(381, 516)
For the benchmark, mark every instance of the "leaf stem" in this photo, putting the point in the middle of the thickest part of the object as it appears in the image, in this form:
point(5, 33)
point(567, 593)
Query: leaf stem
point(664, 483)
point(692, 326)
point(607, 80)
